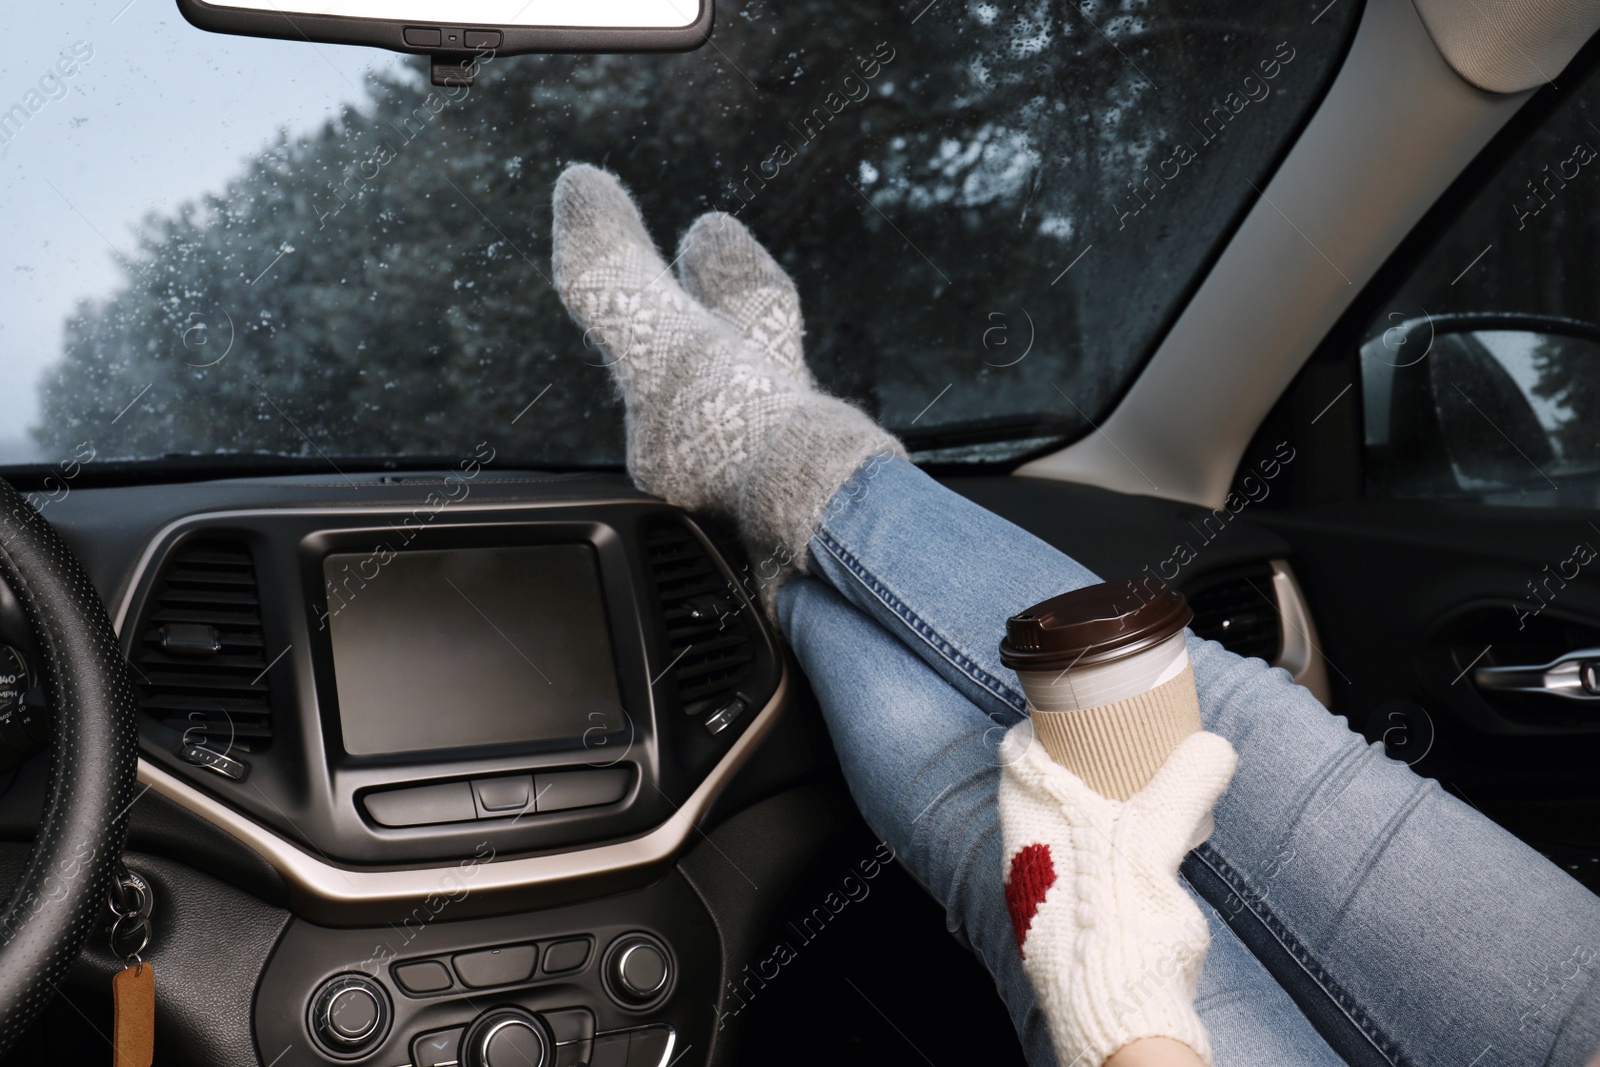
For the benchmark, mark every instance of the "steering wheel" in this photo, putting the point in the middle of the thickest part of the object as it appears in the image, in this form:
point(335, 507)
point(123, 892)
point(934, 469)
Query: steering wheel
point(93, 758)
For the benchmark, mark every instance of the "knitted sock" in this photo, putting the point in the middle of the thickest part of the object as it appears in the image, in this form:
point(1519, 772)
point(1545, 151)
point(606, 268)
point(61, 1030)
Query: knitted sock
point(1109, 938)
point(714, 421)
point(723, 266)
point(698, 404)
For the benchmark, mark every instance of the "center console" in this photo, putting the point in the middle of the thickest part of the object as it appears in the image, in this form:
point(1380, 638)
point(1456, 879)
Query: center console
point(393, 688)
point(472, 738)
point(619, 983)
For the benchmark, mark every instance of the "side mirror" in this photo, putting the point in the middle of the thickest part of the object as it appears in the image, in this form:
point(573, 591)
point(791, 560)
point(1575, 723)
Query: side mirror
point(1493, 406)
point(458, 34)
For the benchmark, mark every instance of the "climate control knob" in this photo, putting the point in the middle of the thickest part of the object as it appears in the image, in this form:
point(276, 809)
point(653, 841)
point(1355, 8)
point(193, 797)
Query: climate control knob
point(638, 969)
point(350, 1014)
point(506, 1037)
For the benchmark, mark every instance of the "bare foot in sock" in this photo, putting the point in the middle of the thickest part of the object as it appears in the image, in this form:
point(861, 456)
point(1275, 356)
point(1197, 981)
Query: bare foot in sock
point(721, 413)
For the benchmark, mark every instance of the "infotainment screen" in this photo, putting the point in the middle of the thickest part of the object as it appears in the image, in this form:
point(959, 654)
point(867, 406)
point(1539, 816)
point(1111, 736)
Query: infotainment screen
point(466, 647)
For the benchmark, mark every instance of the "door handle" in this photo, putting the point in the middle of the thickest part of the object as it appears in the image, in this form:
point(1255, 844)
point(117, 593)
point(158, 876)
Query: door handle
point(1575, 676)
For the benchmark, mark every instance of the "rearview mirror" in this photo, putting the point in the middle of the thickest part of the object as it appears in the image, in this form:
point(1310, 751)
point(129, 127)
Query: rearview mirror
point(456, 33)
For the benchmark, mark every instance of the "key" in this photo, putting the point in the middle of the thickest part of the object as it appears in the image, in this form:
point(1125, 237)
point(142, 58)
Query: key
point(133, 989)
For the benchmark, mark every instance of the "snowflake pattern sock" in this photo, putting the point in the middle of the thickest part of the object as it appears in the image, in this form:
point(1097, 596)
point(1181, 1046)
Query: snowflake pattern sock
point(723, 266)
point(697, 405)
point(1109, 938)
point(717, 417)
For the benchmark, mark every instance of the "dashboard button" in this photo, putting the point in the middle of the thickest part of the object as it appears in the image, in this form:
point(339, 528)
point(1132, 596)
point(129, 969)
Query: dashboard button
point(506, 1037)
point(429, 976)
point(496, 966)
point(638, 970)
point(481, 39)
point(642, 970)
point(422, 805)
point(514, 1045)
point(502, 796)
point(422, 37)
point(438, 1049)
point(566, 956)
point(580, 789)
point(354, 1014)
point(350, 1014)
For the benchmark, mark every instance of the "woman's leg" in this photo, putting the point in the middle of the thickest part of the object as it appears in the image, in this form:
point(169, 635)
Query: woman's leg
point(1393, 909)
point(921, 762)
point(1411, 928)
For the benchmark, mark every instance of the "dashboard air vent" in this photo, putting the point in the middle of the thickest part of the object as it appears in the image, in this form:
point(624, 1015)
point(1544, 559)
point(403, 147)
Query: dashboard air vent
point(200, 656)
point(1238, 610)
point(709, 642)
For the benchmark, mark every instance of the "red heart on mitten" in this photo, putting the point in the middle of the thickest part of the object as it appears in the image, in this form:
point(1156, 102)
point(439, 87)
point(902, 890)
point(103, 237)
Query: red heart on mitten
point(1032, 875)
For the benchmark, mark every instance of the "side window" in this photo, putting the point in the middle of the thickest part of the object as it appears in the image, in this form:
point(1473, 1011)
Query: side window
point(1481, 376)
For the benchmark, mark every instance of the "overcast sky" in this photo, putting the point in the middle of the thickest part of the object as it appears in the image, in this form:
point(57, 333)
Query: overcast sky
point(160, 113)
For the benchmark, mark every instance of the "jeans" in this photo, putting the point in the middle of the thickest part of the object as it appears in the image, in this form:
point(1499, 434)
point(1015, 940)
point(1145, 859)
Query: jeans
point(1359, 914)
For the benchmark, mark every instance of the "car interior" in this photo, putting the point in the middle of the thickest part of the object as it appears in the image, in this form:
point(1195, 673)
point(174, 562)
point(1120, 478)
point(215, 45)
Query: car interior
point(451, 747)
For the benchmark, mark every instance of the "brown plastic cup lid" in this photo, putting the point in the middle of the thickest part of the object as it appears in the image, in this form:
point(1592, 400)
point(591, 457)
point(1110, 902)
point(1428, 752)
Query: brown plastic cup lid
point(1095, 624)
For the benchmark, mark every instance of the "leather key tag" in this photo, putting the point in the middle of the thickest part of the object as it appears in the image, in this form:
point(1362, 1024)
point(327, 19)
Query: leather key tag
point(133, 993)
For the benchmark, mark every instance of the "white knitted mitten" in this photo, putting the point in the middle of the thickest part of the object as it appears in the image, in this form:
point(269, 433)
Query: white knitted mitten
point(1110, 939)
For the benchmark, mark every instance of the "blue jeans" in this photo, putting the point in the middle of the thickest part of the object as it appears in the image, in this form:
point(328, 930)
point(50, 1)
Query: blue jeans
point(1359, 914)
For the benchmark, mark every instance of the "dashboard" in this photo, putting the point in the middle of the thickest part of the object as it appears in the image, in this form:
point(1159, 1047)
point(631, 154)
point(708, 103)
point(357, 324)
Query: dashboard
point(462, 769)
point(470, 722)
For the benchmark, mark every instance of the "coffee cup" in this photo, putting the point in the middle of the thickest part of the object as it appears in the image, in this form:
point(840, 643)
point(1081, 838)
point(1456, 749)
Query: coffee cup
point(1106, 672)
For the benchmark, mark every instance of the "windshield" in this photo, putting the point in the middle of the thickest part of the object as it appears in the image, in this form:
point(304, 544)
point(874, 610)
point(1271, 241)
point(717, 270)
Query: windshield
point(223, 246)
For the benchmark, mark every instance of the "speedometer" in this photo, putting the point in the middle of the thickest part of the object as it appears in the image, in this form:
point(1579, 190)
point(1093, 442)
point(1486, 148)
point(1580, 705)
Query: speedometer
point(14, 676)
point(24, 725)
